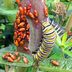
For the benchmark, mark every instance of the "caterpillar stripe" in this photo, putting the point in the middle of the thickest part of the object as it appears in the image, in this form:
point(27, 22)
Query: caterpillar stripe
point(59, 30)
point(48, 41)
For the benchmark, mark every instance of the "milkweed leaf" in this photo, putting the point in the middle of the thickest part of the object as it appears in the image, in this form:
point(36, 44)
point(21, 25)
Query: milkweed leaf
point(64, 38)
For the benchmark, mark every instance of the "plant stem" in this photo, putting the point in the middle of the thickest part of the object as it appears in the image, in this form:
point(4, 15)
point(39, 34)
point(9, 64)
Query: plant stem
point(6, 68)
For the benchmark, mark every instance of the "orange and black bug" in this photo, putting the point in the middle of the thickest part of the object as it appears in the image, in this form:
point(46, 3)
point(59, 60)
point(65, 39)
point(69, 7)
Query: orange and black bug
point(7, 54)
point(22, 29)
point(46, 11)
point(18, 1)
point(29, 7)
point(12, 56)
point(28, 33)
point(30, 14)
point(4, 57)
point(25, 60)
point(23, 18)
point(18, 20)
point(25, 10)
point(21, 24)
point(24, 35)
point(28, 26)
point(10, 59)
point(18, 39)
point(16, 42)
point(21, 10)
point(15, 35)
point(26, 49)
point(17, 15)
point(28, 37)
point(21, 42)
point(35, 13)
point(36, 20)
point(15, 26)
point(55, 63)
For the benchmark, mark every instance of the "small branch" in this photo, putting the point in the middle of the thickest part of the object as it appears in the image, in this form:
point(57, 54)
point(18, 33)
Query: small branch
point(6, 68)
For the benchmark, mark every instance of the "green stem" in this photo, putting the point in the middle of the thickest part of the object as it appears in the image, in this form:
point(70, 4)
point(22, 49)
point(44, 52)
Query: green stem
point(6, 68)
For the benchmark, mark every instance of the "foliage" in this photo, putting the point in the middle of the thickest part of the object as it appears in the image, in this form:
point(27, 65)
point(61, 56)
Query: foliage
point(7, 16)
point(64, 44)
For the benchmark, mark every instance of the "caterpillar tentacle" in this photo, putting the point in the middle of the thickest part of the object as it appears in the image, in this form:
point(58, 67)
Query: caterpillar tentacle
point(48, 41)
point(58, 28)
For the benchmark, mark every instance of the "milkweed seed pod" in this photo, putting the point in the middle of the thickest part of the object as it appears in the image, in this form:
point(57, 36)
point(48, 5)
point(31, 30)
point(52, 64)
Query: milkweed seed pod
point(22, 26)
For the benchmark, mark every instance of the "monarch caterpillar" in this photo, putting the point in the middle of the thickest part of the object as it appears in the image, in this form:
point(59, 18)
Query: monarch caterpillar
point(48, 40)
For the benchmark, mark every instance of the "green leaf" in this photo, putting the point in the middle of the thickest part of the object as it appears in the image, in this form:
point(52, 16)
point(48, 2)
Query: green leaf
point(19, 64)
point(69, 53)
point(7, 12)
point(65, 65)
point(56, 53)
point(12, 49)
point(58, 41)
point(8, 4)
point(69, 44)
point(2, 27)
point(64, 38)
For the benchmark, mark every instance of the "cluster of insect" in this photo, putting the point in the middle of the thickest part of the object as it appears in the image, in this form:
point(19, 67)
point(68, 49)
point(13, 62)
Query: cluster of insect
point(22, 27)
point(14, 57)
